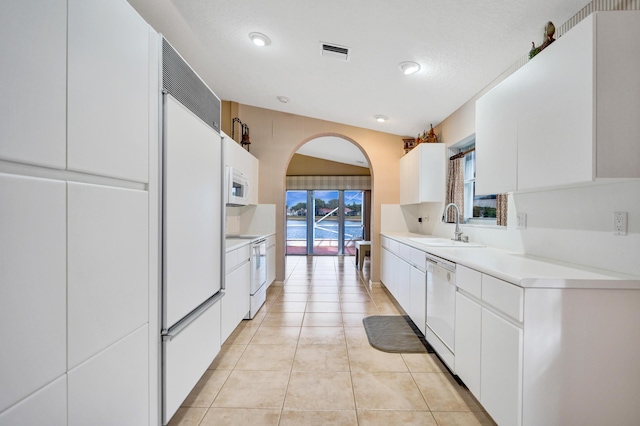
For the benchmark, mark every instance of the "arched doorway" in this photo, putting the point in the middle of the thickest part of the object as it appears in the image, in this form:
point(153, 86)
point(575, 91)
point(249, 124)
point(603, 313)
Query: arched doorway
point(328, 197)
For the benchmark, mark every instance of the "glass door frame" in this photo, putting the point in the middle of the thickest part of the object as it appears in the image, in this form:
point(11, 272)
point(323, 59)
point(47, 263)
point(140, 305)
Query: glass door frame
point(311, 221)
point(340, 219)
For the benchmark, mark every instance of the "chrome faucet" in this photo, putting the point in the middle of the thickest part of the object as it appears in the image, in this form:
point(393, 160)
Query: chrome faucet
point(457, 231)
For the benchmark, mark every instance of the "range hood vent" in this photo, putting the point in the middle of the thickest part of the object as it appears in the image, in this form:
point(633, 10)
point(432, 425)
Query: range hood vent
point(334, 51)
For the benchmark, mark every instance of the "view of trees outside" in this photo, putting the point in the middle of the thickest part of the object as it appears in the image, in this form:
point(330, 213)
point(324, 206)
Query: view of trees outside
point(484, 206)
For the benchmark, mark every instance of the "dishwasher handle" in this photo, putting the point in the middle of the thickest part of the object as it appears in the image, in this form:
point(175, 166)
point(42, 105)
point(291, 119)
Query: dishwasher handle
point(442, 263)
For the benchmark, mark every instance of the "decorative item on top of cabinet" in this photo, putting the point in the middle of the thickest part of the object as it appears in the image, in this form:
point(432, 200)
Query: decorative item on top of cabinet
point(425, 137)
point(428, 137)
point(409, 144)
point(245, 132)
point(549, 31)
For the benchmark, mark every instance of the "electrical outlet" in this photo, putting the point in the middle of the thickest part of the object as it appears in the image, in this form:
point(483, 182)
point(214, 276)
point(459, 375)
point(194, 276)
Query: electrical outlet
point(521, 221)
point(426, 218)
point(620, 223)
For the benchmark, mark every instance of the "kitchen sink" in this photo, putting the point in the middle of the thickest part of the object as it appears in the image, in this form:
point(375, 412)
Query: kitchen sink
point(444, 242)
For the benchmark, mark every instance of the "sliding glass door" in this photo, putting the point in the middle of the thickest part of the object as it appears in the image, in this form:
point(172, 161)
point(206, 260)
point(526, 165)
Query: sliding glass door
point(326, 230)
point(331, 226)
point(353, 221)
point(296, 222)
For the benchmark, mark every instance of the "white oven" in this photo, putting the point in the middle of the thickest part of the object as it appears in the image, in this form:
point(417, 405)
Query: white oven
point(237, 188)
point(441, 307)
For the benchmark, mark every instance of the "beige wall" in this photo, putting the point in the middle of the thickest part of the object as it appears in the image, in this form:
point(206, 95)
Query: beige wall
point(275, 138)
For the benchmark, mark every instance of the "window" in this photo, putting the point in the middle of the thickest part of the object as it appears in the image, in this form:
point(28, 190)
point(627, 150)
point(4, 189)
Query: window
point(477, 209)
point(461, 190)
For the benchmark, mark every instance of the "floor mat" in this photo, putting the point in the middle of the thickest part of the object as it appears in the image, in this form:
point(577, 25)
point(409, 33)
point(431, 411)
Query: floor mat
point(395, 333)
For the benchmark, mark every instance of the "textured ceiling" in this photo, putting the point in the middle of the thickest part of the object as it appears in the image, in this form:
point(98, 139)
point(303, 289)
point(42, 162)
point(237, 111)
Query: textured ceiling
point(462, 46)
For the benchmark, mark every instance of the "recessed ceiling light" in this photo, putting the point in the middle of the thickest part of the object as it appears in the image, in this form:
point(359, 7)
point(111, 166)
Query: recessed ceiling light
point(283, 99)
point(381, 118)
point(409, 67)
point(259, 39)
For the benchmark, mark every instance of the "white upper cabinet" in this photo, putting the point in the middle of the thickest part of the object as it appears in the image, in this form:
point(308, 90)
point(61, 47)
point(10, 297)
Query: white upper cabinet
point(555, 125)
point(108, 93)
point(497, 139)
point(423, 174)
point(572, 111)
point(34, 77)
point(241, 159)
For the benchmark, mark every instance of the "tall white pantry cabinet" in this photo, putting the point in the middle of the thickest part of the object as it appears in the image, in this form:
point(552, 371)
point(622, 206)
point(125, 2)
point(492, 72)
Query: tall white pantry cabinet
point(78, 176)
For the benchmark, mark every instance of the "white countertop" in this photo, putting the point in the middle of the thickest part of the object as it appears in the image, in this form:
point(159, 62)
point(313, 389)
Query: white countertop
point(522, 269)
point(233, 242)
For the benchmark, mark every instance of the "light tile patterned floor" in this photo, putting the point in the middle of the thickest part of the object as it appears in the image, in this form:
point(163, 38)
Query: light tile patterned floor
point(305, 360)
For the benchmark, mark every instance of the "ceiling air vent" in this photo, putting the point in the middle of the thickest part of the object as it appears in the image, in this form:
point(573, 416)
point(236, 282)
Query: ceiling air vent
point(334, 51)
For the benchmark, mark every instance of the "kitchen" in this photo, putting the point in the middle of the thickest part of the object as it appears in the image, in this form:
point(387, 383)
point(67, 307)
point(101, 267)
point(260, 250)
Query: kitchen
point(557, 227)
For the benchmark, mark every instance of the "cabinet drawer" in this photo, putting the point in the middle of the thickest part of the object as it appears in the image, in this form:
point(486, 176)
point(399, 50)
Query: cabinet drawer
point(235, 257)
point(404, 252)
point(244, 254)
point(469, 280)
point(394, 246)
point(505, 297)
point(418, 259)
point(384, 242)
point(230, 260)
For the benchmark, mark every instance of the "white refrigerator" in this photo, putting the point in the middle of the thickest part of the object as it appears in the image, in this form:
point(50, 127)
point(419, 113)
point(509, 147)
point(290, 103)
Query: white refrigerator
point(192, 229)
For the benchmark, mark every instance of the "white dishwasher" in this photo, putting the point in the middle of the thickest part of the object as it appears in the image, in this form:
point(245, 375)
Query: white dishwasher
point(441, 307)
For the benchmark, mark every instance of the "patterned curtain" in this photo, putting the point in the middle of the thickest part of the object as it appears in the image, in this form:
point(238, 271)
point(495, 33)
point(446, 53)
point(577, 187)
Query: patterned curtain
point(455, 187)
point(501, 209)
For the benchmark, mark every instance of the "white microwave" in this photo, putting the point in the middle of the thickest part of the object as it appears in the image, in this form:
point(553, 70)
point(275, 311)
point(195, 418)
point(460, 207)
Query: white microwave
point(237, 188)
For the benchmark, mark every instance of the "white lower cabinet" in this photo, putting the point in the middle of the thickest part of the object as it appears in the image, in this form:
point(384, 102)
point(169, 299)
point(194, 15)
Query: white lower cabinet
point(501, 369)
point(489, 342)
point(33, 285)
point(524, 352)
point(271, 259)
point(403, 273)
point(236, 302)
point(386, 269)
point(108, 256)
point(48, 406)
point(403, 285)
point(467, 342)
point(112, 388)
point(418, 298)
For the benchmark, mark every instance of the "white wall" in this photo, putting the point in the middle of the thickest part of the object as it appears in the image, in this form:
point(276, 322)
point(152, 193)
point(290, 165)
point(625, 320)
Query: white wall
point(572, 225)
point(251, 220)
